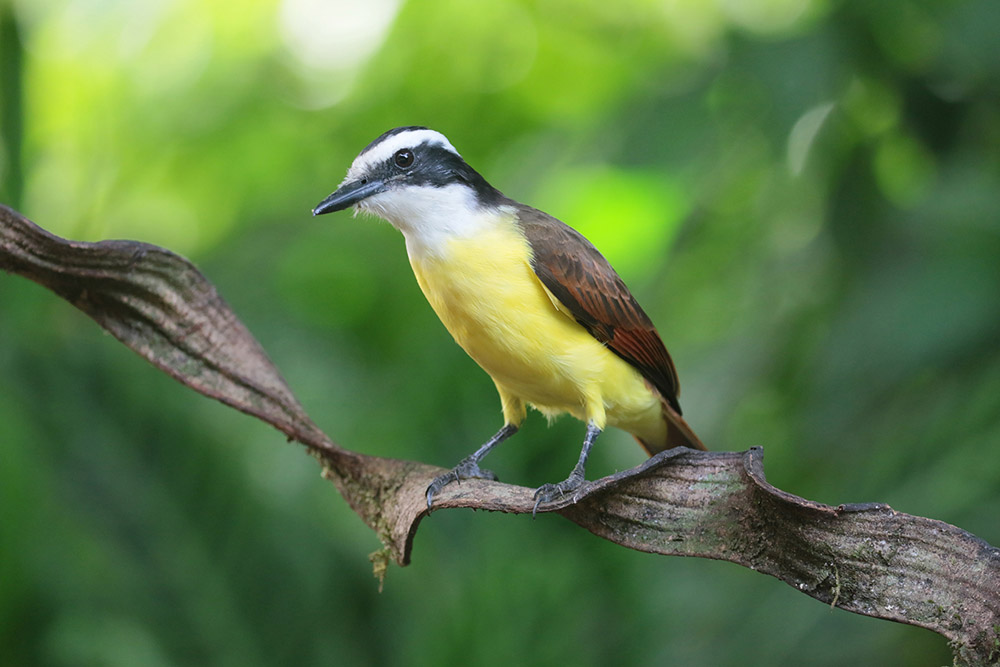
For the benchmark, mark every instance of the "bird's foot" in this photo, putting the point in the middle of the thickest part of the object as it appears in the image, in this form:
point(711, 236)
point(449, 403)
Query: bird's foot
point(546, 493)
point(467, 469)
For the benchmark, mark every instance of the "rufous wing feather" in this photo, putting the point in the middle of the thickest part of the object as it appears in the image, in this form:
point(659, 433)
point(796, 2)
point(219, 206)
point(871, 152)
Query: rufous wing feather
point(583, 281)
point(587, 287)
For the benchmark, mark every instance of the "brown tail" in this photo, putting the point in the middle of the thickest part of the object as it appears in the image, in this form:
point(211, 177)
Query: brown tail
point(679, 434)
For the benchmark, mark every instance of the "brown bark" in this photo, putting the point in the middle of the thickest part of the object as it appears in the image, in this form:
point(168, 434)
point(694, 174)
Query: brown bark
point(868, 559)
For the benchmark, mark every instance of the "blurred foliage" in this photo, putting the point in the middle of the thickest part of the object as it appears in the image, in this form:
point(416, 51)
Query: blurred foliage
point(802, 193)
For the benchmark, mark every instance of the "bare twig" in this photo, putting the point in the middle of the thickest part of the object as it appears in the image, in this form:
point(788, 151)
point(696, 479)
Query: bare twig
point(868, 559)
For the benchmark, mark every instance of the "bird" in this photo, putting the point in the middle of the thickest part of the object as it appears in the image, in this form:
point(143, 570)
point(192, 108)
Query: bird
point(528, 297)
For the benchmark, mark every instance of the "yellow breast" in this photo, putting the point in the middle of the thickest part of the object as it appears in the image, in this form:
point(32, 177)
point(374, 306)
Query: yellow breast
point(487, 295)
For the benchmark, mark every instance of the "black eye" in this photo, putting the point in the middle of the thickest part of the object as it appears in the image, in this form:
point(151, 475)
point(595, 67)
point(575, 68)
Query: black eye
point(403, 158)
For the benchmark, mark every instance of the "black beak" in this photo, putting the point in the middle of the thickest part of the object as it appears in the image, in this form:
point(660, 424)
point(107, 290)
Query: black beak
point(348, 195)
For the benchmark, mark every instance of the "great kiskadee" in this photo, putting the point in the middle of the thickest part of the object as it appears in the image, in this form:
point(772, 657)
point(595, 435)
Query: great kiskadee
point(528, 297)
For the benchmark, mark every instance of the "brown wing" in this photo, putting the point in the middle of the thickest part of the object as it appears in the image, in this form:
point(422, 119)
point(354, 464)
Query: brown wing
point(578, 275)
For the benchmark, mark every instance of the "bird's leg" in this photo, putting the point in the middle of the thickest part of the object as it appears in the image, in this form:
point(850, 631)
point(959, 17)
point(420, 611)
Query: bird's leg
point(549, 492)
point(468, 468)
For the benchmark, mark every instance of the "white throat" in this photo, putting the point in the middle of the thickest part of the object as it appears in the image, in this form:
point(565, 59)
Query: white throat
point(429, 217)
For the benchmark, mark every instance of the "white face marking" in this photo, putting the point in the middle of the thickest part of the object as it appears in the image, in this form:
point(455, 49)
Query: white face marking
point(428, 216)
point(385, 150)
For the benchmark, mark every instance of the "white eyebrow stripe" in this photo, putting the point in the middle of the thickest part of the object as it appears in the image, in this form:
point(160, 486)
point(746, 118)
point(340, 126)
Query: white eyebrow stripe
point(383, 150)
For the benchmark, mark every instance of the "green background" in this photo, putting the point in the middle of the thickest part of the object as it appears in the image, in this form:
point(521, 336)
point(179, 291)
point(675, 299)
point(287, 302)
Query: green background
point(804, 195)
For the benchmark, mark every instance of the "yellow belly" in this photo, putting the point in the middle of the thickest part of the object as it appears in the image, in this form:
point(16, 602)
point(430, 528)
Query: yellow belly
point(489, 298)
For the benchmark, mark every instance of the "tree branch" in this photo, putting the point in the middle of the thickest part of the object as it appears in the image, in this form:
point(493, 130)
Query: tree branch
point(868, 559)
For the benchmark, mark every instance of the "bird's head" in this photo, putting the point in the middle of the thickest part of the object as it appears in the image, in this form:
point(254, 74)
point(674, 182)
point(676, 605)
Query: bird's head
point(414, 178)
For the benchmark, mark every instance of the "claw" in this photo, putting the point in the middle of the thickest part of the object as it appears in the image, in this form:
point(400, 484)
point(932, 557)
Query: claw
point(465, 470)
point(469, 468)
point(538, 501)
point(548, 492)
